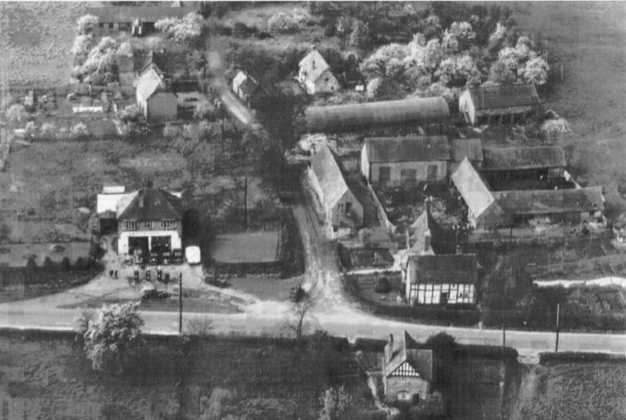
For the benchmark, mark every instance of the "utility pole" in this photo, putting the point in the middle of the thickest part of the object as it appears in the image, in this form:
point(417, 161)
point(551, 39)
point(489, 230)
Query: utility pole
point(558, 315)
point(245, 200)
point(180, 303)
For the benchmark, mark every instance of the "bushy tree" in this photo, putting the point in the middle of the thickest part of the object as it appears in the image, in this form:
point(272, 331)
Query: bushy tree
point(334, 403)
point(15, 113)
point(111, 335)
point(184, 30)
point(131, 113)
point(360, 38)
point(86, 23)
point(80, 50)
point(536, 71)
point(79, 130)
point(282, 23)
point(205, 111)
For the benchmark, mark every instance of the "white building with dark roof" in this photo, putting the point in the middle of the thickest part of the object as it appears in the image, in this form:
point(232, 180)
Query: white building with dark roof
point(154, 100)
point(316, 76)
point(501, 101)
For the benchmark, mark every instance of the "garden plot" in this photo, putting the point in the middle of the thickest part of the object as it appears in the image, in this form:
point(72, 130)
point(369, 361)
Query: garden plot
point(244, 248)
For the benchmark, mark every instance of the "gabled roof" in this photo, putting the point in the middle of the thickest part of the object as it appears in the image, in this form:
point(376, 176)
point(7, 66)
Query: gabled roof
point(407, 149)
point(446, 268)
point(406, 359)
point(540, 202)
point(314, 65)
point(151, 204)
point(424, 223)
point(472, 188)
point(511, 158)
point(504, 96)
point(466, 148)
point(149, 83)
point(245, 82)
point(326, 169)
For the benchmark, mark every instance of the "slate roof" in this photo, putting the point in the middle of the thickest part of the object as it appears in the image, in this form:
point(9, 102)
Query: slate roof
point(328, 173)
point(466, 148)
point(151, 204)
point(446, 268)
point(246, 83)
point(472, 188)
point(314, 65)
point(407, 149)
point(149, 83)
point(512, 158)
point(405, 349)
point(540, 202)
point(504, 96)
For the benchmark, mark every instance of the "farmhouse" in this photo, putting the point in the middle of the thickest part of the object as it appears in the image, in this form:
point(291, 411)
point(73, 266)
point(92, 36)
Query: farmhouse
point(245, 86)
point(441, 279)
point(483, 210)
point(315, 75)
point(465, 148)
point(405, 161)
point(154, 100)
point(349, 117)
point(504, 166)
point(482, 104)
point(341, 207)
point(408, 371)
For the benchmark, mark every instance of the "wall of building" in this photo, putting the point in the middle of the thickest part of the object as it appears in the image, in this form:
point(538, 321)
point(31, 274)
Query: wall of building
point(466, 106)
point(162, 105)
point(327, 83)
point(339, 215)
point(122, 244)
point(421, 172)
point(365, 164)
point(412, 385)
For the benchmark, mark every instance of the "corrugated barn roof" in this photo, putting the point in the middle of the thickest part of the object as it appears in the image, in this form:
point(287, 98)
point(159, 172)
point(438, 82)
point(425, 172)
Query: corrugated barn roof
point(385, 113)
point(551, 201)
point(504, 96)
point(407, 149)
point(511, 158)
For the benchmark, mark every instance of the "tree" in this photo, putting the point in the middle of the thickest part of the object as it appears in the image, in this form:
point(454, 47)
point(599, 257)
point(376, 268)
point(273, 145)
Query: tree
point(184, 30)
point(80, 50)
point(86, 23)
point(298, 319)
point(111, 335)
point(282, 23)
point(15, 113)
point(334, 403)
point(536, 71)
point(79, 130)
point(131, 113)
point(205, 111)
point(360, 37)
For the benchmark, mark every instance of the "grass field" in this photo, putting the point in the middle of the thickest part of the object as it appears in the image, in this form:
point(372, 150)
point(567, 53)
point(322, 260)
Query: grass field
point(572, 391)
point(35, 41)
point(256, 247)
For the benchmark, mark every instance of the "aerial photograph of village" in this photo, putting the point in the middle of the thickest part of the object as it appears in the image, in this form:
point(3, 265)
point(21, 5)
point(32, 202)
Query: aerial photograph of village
point(315, 210)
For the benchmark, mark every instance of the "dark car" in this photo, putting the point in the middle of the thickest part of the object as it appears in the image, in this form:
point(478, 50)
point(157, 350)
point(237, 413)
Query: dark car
point(154, 294)
point(177, 256)
point(154, 258)
point(217, 282)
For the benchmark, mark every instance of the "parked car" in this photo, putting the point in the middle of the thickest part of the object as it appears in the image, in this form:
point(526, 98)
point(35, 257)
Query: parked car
point(217, 282)
point(177, 256)
point(153, 294)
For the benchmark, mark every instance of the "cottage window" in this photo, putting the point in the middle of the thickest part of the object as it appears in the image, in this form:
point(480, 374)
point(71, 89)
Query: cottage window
point(147, 225)
point(348, 208)
point(168, 224)
point(404, 395)
point(130, 225)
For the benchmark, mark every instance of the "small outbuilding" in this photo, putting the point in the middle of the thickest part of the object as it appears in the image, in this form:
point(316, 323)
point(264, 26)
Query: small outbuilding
point(245, 86)
point(408, 371)
point(350, 117)
point(471, 149)
point(441, 279)
point(503, 102)
point(154, 99)
point(341, 207)
point(316, 76)
point(405, 161)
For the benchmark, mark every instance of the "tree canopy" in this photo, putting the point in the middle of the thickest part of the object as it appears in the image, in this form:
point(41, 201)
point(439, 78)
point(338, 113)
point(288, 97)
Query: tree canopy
point(184, 30)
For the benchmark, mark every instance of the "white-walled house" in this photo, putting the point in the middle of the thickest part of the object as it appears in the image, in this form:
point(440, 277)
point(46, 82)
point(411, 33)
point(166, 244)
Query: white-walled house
point(153, 99)
point(316, 76)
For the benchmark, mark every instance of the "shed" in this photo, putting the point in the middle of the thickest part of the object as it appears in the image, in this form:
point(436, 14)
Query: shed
point(245, 86)
point(405, 161)
point(315, 74)
point(523, 158)
point(336, 118)
point(487, 102)
point(441, 279)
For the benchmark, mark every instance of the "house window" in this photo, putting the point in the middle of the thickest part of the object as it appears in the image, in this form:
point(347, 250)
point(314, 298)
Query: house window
point(168, 224)
point(408, 177)
point(404, 395)
point(129, 225)
point(147, 224)
point(348, 208)
point(432, 172)
point(384, 175)
point(313, 64)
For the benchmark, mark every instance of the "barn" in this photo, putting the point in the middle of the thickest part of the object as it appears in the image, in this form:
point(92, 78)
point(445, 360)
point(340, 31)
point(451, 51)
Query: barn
point(350, 117)
point(503, 102)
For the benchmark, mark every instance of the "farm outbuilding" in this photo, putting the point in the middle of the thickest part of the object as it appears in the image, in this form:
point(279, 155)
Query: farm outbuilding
point(466, 148)
point(408, 371)
point(483, 104)
point(441, 279)
point(405, 161)
point(336, 118)
point(245, 86)
point(342, 209)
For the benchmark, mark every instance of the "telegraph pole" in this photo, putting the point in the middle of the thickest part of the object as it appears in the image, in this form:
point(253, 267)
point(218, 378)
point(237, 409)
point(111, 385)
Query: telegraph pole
point(558, 315)
point(180, 303)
